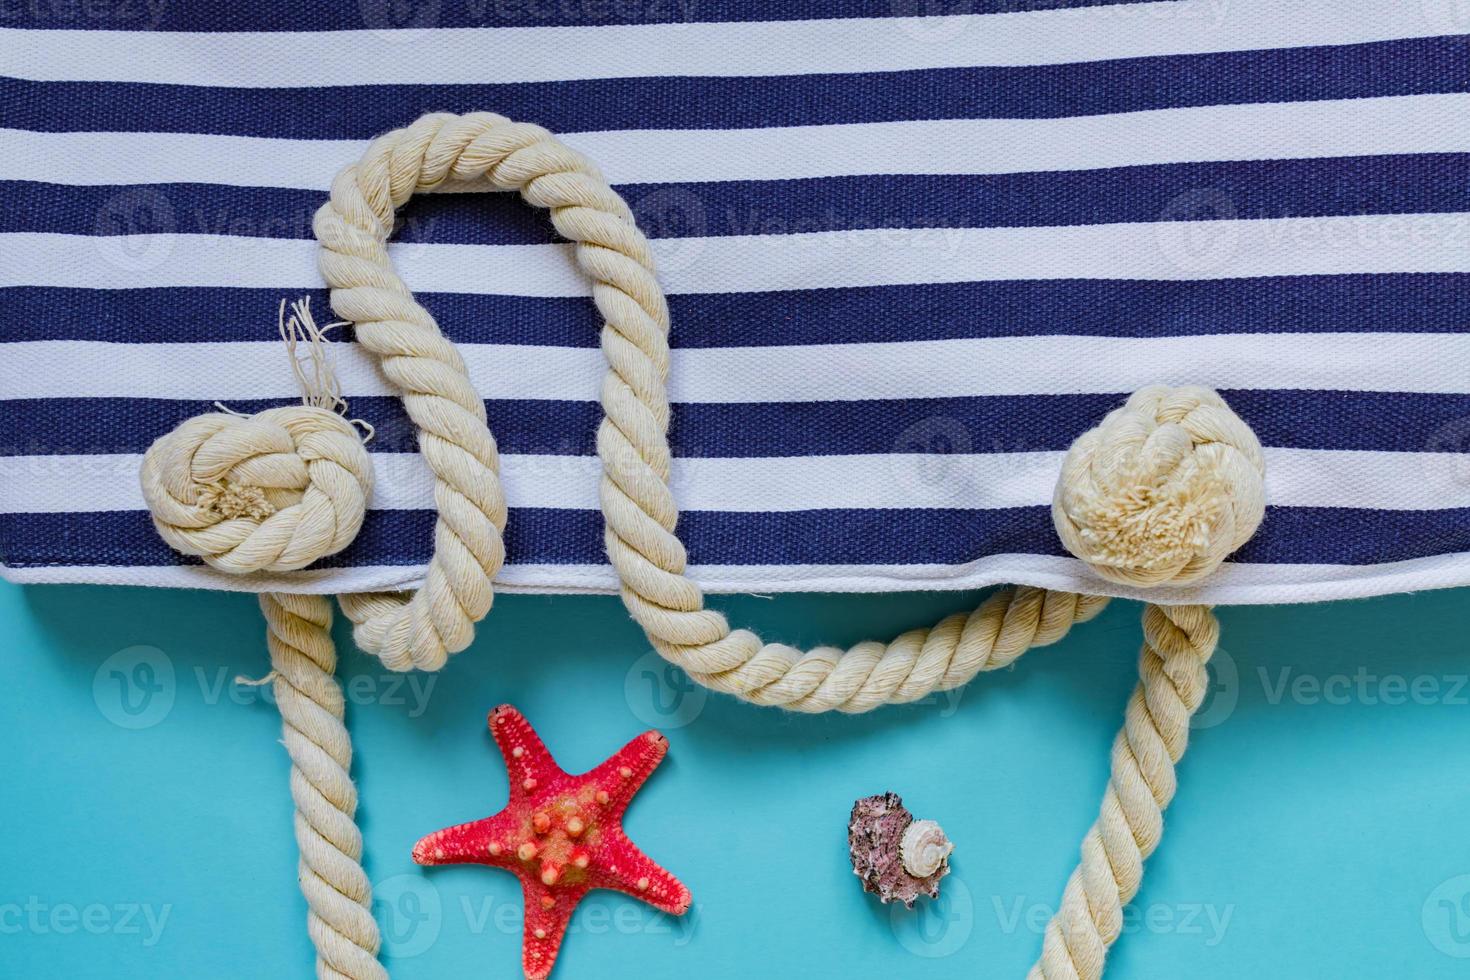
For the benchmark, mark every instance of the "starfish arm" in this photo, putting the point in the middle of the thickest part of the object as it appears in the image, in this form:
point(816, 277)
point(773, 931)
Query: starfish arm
point(627, 869)
point(547, 913)
point(561, 835)
point(487, 841)
point(527, 760)
point(625, 773)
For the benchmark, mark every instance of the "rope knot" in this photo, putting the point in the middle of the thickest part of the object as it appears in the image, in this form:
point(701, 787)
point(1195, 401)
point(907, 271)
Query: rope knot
point(274, 491)
point(1162, 490)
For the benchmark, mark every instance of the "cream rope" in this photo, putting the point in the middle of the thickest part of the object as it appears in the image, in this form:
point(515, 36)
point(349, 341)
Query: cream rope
point(1178, 642)
point(419, 628)
point(1162, 491)
point(338, 894)
point(632, 441)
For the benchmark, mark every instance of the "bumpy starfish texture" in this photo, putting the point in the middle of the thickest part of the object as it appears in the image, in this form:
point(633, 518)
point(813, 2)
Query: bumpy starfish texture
point(561, 835)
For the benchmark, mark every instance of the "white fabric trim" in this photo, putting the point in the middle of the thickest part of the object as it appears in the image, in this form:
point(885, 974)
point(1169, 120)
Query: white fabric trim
point(1232, 584)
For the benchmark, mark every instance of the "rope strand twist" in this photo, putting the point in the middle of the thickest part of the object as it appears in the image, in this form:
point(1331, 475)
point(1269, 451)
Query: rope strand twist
point(338, 893)
point(270, 492)
point(1178, 642)
point(1161, 491)
point(638, 507)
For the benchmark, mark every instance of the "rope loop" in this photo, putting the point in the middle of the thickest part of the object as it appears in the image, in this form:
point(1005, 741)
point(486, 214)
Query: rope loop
point(638, 507)
point(1161, 491)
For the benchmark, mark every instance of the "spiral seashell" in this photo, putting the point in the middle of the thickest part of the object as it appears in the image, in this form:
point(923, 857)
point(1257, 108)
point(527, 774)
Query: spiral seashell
point(924, 849)
point(897, 857)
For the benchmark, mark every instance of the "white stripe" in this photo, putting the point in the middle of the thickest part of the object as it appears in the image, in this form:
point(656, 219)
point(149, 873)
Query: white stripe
point(1231, 584)
point(1347, 127)
point(1165, 250)
point(1295, 478)
point(1048, 365)
point(534, 54)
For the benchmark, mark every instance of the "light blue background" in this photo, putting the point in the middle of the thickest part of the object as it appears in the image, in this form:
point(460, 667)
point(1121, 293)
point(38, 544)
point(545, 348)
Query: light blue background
point(1319, 832)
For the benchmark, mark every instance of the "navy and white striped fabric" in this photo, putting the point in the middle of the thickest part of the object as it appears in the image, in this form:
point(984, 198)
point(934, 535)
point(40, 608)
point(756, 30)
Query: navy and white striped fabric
point(912, 249)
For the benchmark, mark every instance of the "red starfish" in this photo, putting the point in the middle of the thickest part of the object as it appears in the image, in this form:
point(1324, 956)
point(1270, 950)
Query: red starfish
point(561, 835)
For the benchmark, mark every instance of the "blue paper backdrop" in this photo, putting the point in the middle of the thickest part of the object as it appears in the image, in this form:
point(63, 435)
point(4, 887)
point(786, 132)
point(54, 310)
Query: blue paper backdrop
point(1321, 829)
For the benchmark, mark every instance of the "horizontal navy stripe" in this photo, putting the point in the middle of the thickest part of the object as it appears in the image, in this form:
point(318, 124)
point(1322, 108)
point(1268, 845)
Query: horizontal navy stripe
point(1383, 68)
point(1387, 303)
point(161, 15)
point(1386, 184)
point(1393, 422)
point(1333, 535)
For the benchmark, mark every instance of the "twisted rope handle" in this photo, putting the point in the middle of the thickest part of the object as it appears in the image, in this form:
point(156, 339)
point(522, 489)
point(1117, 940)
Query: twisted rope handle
point(1178, 643)
point(1170, 484)
point(417, 629)
point(638, 507)
point(338, 893)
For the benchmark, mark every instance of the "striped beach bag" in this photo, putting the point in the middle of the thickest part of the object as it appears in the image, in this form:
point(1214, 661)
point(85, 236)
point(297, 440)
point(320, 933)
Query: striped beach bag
point(407, 303)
